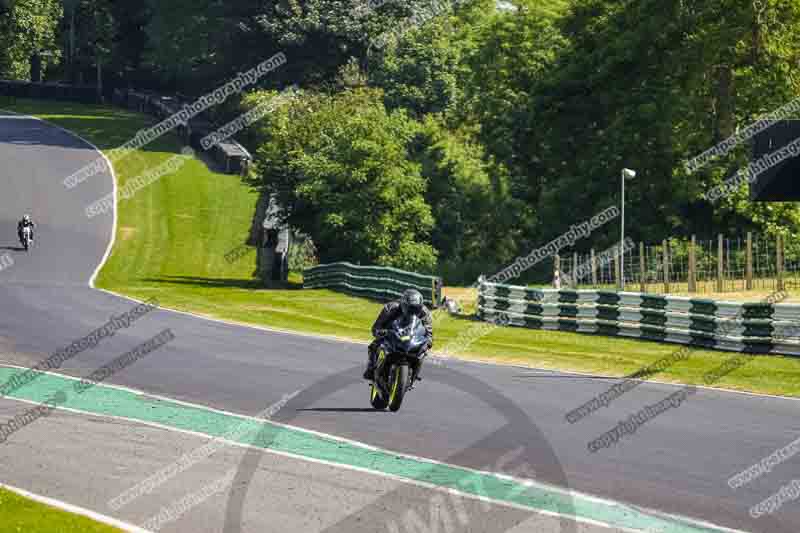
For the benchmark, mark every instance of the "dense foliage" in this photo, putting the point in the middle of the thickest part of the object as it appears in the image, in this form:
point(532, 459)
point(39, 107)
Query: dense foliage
point(340, 167)
point(455, 136)
point(27, 27)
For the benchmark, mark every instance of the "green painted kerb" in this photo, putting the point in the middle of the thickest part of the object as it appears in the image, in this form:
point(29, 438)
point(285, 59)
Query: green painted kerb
point(104, 400)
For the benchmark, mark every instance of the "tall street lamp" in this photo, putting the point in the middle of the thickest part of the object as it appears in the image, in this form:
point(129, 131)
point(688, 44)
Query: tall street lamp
point(626, 174)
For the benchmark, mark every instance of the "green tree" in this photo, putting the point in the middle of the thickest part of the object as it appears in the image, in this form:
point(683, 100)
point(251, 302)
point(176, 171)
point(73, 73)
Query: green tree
point(515, 56)
point(424, 68)
point(420, 74)
point(127, 63)
point(475, 215)
point(645, 85)
point(28, 27)
point(340, 166)
point(182, 40)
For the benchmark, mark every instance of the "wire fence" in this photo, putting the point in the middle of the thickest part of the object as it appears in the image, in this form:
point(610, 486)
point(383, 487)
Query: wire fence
point(724, 264)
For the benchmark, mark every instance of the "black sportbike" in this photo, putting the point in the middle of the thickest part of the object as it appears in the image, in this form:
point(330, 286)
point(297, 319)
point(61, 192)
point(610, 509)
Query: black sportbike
point(400, 354)
point(26, 237)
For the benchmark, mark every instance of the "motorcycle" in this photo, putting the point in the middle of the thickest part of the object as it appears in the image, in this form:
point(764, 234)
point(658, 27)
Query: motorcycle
point(27, 237)
point(400, 355)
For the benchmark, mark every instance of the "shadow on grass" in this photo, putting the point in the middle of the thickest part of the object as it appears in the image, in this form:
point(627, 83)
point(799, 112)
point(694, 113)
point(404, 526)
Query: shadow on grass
point(213, 166)
point(465, 318)
point(106, 126)
point(281, 285)
point(225, 283)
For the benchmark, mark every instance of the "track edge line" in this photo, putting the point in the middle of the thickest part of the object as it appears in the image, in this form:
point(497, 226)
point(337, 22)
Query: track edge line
point(75, 509)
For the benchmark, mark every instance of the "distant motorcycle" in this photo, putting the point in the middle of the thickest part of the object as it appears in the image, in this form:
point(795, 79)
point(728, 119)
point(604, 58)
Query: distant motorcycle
point(27, 237)
point(399, 352)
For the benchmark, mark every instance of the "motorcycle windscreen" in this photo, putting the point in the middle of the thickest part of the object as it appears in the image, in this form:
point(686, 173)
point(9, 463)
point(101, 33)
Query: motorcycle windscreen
point(406, 322)
point(405, 328)
point(414, 333)
point(419, 336)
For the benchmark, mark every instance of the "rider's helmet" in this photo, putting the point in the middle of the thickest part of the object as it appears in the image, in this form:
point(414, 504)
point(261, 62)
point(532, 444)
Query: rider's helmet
point(411, 302)
point(26, 218)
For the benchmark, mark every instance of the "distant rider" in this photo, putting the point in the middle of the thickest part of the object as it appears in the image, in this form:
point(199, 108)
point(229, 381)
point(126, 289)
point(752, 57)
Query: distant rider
point(26, 222)
point(410, 303)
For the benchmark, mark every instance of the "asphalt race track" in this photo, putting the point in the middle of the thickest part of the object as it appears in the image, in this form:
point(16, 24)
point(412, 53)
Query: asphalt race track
point(484, 417)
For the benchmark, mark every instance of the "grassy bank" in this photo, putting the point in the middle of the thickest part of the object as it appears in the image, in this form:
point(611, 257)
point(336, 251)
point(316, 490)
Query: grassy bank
point(21, 514)
point(172, 238)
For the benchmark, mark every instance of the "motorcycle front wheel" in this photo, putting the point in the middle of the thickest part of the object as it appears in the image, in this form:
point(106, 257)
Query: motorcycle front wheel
point(398, 385)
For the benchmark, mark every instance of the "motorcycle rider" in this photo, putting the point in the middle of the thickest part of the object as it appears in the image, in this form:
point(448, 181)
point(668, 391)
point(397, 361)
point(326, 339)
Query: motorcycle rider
point(410, 303)
point(26, 222)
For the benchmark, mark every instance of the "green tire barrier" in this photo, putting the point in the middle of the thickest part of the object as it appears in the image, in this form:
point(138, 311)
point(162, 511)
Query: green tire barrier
point(379, 283)
point(741, 327)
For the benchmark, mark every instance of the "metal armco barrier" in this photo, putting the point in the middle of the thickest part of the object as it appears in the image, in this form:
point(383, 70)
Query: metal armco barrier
point(380, 283)
point(49, 91)
point(742, 327)
point(232, 157)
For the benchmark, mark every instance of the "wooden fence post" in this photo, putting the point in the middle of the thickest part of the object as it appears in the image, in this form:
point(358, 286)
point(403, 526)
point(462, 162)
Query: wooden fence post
point(642, 273)
point(666, 266)
point(748, 269)
point(556, 266)
point(779, 261)
point(693, 264)
point(574, 270)
point(720, 270)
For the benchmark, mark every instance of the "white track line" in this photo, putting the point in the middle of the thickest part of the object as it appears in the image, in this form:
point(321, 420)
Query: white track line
point(523, 481)
point(74, 509)
point(113, 182)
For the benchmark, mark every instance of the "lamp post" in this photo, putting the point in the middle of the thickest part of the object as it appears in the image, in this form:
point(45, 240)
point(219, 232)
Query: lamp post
point(626, 174)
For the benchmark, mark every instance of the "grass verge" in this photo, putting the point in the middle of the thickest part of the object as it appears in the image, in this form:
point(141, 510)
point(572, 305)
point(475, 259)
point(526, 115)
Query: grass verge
point(20, 514)
point(172, 238)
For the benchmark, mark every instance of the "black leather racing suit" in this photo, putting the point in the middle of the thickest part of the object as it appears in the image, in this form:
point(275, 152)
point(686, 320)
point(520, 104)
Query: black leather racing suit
point(21, 224)
point(391, 312)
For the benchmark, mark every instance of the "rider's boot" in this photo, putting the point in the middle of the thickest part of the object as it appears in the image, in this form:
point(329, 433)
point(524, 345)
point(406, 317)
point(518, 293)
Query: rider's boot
point(415, 372)
point(418, 371)
point(369, 373)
